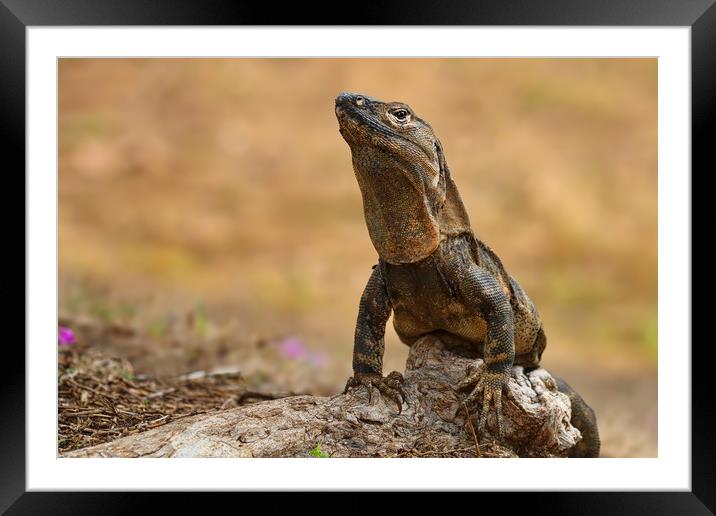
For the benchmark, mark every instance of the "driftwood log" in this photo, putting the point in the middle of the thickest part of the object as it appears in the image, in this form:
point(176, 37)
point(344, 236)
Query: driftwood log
point(434, 421)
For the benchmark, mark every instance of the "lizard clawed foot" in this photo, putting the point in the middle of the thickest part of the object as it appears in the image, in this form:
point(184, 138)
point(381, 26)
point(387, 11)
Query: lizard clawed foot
point(391, 386)
point(489, 383)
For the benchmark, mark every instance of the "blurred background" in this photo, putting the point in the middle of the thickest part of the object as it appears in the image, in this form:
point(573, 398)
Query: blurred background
point(209, 216)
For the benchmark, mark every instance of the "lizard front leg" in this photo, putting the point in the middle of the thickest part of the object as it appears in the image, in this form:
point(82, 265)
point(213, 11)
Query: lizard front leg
point(483, 293)
point(369, 344)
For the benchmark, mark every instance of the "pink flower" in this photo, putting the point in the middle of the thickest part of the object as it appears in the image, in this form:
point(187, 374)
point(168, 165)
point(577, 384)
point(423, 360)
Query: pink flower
point(292, 347)
point(295, 349)
point(66, 337)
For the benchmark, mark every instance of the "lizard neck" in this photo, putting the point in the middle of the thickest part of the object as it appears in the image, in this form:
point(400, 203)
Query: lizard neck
point(450, 244)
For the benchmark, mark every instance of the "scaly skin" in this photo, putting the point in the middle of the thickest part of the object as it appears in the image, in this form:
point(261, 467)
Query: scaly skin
point(433, 274)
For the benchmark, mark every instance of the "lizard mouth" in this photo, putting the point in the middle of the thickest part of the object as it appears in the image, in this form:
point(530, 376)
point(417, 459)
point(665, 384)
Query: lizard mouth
point(357, 125)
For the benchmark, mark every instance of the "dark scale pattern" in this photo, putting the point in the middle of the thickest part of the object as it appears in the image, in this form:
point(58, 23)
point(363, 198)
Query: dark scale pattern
point(482, 293)
point(373, 313)
point(434, 274)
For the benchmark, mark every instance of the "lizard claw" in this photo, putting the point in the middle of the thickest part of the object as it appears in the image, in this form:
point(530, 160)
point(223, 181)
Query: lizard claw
point(489, 383)
point(391, 386)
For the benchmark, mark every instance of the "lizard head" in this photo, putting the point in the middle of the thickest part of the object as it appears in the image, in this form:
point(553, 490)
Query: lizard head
point(409, 199)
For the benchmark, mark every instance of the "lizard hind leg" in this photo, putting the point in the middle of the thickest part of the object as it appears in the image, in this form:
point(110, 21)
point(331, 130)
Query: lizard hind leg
point(532, 359)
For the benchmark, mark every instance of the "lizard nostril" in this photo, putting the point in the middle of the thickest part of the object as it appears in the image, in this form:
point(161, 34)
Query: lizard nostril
point(359, 100)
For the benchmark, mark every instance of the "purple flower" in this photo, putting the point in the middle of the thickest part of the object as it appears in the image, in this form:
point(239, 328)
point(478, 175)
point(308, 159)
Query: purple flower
point(66, 337)
point(292, 347)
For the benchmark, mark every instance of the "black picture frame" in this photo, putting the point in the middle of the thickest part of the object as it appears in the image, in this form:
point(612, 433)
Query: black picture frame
point(17, 15)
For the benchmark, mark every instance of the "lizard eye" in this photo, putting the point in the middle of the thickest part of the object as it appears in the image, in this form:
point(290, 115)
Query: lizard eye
point(401, 115)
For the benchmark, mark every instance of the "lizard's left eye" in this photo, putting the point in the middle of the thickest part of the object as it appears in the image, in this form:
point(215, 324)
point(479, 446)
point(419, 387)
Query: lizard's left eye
point(401, 115)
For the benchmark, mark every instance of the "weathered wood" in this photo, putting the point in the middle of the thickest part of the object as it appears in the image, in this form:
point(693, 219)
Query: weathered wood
point(432, 422)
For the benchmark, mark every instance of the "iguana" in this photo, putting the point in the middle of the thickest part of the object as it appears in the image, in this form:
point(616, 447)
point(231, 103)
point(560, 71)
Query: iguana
point(433, 273)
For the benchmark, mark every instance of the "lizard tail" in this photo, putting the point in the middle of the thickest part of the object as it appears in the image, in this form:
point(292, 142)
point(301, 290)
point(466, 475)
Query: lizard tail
point(585, 420)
